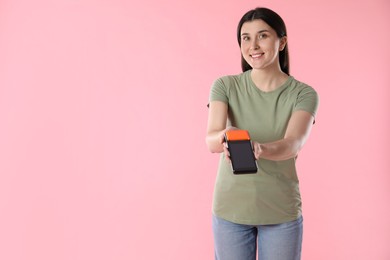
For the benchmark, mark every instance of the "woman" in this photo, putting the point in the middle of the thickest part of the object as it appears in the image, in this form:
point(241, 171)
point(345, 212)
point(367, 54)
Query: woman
point(262, 209)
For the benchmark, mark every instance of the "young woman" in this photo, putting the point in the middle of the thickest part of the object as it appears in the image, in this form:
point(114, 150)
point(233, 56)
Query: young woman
point(260, 212)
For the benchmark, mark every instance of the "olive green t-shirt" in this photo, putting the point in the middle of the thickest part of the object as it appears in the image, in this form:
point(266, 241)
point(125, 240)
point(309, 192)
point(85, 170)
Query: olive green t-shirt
point(270, 196)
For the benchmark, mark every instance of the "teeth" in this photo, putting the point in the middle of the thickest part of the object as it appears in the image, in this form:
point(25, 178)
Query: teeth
point(256, 55)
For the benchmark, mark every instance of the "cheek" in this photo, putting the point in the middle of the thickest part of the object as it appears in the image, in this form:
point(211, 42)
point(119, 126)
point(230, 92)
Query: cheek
point(244, 48)
point(277, 46)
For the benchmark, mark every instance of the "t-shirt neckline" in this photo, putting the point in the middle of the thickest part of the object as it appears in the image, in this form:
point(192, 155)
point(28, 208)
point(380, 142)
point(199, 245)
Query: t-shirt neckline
point(278, 89)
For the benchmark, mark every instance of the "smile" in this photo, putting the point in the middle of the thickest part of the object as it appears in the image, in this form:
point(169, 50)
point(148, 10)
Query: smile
point(256, 55)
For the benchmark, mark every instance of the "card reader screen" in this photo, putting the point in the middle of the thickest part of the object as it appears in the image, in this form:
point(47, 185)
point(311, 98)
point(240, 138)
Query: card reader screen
point(241, 155)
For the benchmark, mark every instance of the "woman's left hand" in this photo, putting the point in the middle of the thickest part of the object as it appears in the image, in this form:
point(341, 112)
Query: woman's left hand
point(256, 149)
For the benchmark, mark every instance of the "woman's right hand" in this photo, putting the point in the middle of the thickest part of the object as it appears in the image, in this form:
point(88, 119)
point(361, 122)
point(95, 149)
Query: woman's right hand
point(225, 146)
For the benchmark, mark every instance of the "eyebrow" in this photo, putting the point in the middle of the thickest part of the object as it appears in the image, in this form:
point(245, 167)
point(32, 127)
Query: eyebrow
point(261, 31)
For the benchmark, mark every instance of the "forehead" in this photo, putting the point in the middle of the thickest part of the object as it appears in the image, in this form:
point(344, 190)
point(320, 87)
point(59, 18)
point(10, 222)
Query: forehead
point(255, 26)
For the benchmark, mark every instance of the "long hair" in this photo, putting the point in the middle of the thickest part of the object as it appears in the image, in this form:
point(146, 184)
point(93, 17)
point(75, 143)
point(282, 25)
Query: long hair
point(274, 21)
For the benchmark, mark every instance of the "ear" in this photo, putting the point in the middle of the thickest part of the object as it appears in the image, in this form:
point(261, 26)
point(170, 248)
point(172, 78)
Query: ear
point(283, 42)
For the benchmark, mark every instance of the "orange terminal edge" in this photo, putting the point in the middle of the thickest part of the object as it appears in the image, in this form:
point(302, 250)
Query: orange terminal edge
point(235, 135)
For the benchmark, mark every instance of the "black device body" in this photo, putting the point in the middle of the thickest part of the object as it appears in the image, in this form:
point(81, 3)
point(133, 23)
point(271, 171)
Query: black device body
point(242, 158)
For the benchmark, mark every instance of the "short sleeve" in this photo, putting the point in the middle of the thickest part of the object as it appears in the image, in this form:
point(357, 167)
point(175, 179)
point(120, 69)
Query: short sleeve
point(307, 100)
point(218, 92)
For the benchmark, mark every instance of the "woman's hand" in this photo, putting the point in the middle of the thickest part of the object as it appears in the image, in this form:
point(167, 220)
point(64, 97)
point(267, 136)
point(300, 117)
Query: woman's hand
point(222, 140)
point(257, 149)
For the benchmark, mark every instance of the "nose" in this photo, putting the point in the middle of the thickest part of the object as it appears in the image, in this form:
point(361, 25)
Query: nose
point(254, 44)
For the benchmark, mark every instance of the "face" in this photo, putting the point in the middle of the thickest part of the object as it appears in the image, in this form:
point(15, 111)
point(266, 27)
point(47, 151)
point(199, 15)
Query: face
point(260, 45)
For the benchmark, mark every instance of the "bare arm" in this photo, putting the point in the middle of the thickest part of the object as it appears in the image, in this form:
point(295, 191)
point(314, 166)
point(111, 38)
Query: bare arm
point(216, 126)
point(298, 130)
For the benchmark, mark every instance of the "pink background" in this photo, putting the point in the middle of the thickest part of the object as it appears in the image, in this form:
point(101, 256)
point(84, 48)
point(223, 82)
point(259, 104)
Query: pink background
point(103, 119)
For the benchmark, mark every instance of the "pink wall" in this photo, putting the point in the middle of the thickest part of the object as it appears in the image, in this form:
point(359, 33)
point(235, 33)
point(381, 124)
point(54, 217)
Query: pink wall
point(103, 118)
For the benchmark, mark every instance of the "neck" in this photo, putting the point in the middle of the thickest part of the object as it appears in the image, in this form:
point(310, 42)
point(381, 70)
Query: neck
point(268, 80)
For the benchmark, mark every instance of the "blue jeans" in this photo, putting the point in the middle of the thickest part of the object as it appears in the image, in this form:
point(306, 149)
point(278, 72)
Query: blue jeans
point(276, 242)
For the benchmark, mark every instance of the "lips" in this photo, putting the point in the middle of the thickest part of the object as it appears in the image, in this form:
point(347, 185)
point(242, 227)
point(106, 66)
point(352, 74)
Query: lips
point(256, 55)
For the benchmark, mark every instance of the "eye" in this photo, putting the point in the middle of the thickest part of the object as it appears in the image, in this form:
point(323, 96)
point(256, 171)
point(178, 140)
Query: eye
point(245, 38)
point(263, 36)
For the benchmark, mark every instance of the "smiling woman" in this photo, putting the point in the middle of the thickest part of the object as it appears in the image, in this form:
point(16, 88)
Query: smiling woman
point(260, 45)
point(103, 123)
point(278, 29)
point(279, 112)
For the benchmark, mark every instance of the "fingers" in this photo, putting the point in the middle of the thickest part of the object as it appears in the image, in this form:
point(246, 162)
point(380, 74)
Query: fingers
point(256, 149)
point(226, 152)
point(222, 138)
